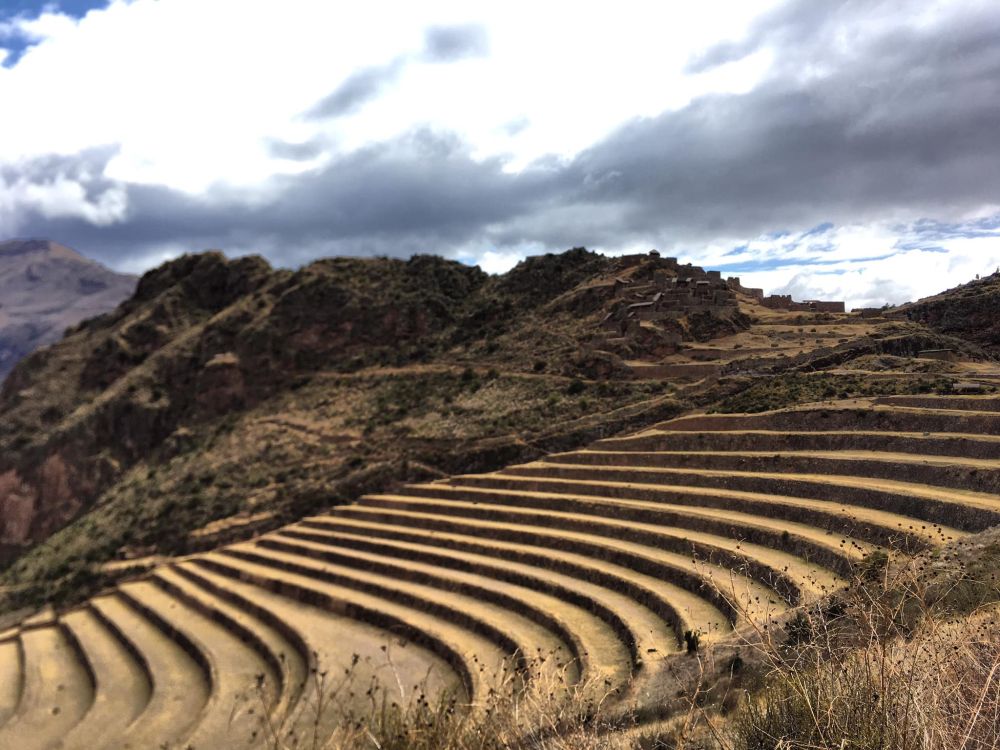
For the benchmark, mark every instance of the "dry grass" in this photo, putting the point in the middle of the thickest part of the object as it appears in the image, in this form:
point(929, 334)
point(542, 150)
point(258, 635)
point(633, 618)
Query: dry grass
point(882, 666)
point(525, 708)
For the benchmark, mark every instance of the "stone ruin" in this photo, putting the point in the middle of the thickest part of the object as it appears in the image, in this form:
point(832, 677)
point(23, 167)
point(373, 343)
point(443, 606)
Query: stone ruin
point(785, 302)
point(672, 292)
point(734, 283)
point(652, 297)
point(657, 303)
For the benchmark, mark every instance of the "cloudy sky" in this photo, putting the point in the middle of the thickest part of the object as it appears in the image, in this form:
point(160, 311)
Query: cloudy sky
point(828, 148)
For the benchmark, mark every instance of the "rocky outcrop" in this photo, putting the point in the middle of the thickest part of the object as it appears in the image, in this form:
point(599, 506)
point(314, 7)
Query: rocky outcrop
point(970, 311)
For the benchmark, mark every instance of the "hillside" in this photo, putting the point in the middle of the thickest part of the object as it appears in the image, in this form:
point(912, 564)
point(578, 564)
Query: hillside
point(44, 289)
point(970, 311)
point(546, 488)
point(565, 597)
point(225, 389)
point(227, 397)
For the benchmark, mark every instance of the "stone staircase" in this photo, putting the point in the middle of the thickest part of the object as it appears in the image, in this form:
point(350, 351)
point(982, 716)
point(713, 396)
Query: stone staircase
point(591, 564)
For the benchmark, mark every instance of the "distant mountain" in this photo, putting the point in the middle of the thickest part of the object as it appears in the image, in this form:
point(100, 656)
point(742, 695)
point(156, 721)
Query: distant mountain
point(44, 289)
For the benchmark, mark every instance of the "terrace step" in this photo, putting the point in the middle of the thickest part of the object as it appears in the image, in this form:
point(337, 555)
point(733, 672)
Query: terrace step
point(839, 554)
point(859, 522)
point(968, 511)
point(57, 691)
point(122, 688)
point(328, 644)
point(913, 443)
point(11, 677)
point(962, 403)
point(670, 566)
point(180, 687)
point(283, 658)
point(510, 630)
point(596, 646)
point(595, 561)
point(864, 416)
point(681, 609)
point(232, 714)
point(980, 475)
point(791, 577)
point(639, 630)
point(475, 658)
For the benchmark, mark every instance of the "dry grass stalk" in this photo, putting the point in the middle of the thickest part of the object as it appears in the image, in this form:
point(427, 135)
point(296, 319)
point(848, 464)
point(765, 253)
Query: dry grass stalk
point(879, 666)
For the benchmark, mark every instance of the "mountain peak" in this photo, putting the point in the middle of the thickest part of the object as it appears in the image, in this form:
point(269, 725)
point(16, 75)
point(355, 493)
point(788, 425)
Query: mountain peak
point(46, 287)
point(35, 245)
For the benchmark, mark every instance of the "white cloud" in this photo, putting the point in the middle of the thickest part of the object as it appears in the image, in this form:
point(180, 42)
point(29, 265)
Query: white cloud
point(493, 261)
point(193, 90)
point(61, 196)
point(866, 265)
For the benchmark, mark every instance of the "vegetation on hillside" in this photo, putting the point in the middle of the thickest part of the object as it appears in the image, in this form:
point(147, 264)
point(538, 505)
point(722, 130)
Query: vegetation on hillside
point(970, 311)
point(227, 398)
point(907, 657)
point(790, 389)
point(326, 442)
point(225, 389)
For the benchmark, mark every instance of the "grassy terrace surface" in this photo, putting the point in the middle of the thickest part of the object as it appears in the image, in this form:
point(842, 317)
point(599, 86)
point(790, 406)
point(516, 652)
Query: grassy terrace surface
point(590, 565)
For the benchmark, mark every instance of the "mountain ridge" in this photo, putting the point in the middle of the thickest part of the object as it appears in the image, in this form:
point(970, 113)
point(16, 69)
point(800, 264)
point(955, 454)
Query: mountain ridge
point(226, 396)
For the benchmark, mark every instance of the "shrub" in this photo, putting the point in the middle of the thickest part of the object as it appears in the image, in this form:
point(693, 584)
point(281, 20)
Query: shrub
point(883, 668)
point(522, 710)
point(692, 641)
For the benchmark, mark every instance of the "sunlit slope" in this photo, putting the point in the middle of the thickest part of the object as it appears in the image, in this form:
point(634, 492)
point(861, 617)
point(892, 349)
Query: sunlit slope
point(596, 564)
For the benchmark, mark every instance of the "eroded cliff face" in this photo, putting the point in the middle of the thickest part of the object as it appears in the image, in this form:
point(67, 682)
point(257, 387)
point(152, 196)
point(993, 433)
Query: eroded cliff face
point(42, 500)
point(18, 506)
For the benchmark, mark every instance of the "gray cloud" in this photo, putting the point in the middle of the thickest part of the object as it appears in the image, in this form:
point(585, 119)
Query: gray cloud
point(295, 151)
point(449, 43)
point(901, 122)
point(442, 44)
point(357, 89)
point(905, 121)
point(421, 193)
point(515, 126)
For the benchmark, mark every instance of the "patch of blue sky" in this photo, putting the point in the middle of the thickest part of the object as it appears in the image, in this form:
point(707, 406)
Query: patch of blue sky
point(33, 8)
point(772, 264)
point(14, 42)
point(920, 246)
point(822, 247)
point(823, 228)
point(792, 251)
point(930, 229)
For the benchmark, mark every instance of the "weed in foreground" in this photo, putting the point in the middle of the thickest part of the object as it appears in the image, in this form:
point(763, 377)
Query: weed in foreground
point(522, 707)
point(879, 666)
